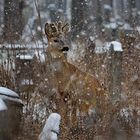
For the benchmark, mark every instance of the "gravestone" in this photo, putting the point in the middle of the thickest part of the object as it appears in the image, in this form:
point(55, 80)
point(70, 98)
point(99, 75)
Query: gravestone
point(10, 114)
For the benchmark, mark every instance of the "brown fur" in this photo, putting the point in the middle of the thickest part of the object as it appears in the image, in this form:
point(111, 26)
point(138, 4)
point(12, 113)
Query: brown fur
point(76, 90)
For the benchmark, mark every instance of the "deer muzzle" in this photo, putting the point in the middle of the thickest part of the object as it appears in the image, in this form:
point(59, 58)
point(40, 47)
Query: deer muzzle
point(65, 48)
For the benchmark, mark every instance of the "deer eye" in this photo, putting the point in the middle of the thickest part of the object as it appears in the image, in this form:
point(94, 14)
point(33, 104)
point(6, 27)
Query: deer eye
point(56, 40)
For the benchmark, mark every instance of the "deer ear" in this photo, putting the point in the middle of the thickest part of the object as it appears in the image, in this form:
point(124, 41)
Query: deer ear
point(66, 28)
point(47, 29)
point(54, 29)
point(51, 30)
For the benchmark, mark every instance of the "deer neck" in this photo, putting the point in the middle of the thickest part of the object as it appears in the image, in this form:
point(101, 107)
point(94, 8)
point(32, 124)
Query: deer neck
point(60, 68)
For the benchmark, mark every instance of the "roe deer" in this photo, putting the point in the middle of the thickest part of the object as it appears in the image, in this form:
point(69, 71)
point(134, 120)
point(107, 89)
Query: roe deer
point(77, 91)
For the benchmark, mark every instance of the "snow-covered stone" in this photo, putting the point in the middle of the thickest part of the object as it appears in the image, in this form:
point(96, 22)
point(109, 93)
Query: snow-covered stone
point(101, 47)
point(105, 47)
point(51, 128)
point(8, 92)
point(117, 46)
point(2, 105)
point(10, 114)
point(12, 99)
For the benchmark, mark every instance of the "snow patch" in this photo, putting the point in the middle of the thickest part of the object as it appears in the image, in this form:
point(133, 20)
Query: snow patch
point(27, 82)
point(40, 56)
point(138, 29)
point(102, 47)
point(25, 57)
point(127, 114)
point(117, 46)
point(2, 105)
point(111, 25)
point(37, 45)
point(8, 92)
point(107, 7)
point(92, 38)
point(17, 100)
point(134, 78)
point(39, 112)
point(76, 53)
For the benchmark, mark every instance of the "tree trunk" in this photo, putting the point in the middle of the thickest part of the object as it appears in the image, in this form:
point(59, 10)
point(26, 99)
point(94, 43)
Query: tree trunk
point(115, 74)
point(79, 16)
point(99, 12)
point(12, 20)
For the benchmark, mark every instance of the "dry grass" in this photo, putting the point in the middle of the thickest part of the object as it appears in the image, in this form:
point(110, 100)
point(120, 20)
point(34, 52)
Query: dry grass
point(87, 128)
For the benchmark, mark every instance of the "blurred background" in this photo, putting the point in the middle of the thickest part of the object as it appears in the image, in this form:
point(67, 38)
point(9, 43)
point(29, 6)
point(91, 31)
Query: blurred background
point(18, 18)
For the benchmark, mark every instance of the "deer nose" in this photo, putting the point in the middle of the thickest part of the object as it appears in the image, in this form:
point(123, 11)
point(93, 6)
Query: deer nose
point(66, 48)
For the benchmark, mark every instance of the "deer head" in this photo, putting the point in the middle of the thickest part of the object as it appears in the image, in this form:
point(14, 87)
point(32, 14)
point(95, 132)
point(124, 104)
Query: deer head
point(56, 34)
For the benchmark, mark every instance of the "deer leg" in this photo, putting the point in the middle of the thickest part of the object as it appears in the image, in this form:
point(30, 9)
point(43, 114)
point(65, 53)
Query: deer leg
point(74, 119)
